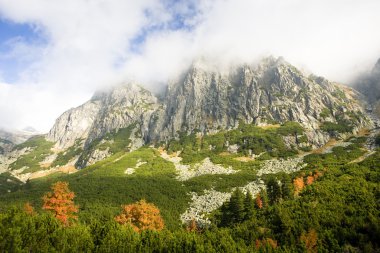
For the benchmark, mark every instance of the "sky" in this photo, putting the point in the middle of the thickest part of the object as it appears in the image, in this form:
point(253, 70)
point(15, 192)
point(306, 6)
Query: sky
point(55, 54)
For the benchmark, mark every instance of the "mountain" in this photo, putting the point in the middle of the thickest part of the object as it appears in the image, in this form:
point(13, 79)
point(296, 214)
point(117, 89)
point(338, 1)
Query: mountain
point(369, 85)
point(195, 153)
point(17, 136)
point(207, 100)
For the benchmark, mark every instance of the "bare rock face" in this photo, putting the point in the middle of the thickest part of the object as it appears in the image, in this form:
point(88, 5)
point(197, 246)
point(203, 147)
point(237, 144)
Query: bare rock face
point(106, 111)
point(74, 124)
point(121, 107)
point(273, 91)
point(208, 100)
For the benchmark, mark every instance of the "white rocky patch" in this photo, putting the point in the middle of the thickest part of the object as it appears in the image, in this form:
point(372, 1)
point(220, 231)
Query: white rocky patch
point(274, 166)
point(253, 187)
point(201, 205)
point(98, 155)
point(338, 144)
point(130, 171)
point(206, 167)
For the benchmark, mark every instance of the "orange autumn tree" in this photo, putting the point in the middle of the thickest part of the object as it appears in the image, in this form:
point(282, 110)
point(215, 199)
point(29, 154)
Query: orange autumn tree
point(60, 202)
point(309, 180)
point(29, 209)
point(192, 226)
point(298, 184)
point(141, 216)
point(259, 201)
point(310, 239)
point(266, 243)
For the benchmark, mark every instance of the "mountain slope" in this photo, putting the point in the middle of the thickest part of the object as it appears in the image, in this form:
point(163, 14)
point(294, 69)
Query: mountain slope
point(272, 92)
point(369, 86)
point(205, 100)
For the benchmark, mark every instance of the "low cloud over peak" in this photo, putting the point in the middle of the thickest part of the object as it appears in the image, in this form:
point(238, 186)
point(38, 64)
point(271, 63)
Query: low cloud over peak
point(85, 45)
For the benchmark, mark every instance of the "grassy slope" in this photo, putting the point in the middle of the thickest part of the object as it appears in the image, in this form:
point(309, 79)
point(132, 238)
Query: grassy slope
point(103, 187)
point(40, 150)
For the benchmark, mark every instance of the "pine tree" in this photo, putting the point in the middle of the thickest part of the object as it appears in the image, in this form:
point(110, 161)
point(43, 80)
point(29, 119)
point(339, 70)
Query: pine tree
point(236, 206)
point(249, 206)
point(273, 190)
point(286, 187)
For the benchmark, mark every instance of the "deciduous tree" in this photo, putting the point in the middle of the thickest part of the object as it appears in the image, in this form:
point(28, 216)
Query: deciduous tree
point(29, 209)
point(310, 240)
point(60, 202)
point(298, 184)
point(141, 216)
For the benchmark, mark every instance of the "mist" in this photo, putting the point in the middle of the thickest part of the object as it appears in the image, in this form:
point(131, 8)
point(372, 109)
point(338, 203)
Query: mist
point(90, 45)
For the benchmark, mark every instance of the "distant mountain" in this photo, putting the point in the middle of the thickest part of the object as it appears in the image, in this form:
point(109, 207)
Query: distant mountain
point(206, 100)
point(17, 136)
point(369, 85)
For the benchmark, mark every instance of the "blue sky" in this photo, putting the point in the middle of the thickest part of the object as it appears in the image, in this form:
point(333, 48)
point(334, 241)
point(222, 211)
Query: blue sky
point(10, 33)
point(54, 55)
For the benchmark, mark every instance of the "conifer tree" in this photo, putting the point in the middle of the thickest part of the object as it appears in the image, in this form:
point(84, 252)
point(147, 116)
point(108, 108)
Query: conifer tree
point(273, 190)
point(286, 187)
point(236, 206)
point(249, 206)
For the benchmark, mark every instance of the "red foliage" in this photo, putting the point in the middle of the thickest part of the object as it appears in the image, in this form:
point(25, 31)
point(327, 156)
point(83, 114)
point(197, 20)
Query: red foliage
point(298, 184)
point(29, 209)
point(266, 243)
point(309, 180)
point(141, 216)
point(60, 202)
point(259, 201)
point(310, 240)
point(192, 226)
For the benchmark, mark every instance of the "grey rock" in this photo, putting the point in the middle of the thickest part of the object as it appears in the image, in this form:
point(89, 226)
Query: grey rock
point(207, 100)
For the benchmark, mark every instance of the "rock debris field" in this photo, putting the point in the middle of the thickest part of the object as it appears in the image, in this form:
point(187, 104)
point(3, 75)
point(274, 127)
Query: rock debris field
point(210, 200)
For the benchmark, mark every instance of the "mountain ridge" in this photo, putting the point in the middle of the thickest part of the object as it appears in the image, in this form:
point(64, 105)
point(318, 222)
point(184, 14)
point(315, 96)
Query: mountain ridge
point(207, 101)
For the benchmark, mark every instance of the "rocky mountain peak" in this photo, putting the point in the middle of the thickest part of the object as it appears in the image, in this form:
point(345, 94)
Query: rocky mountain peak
point(207, 99)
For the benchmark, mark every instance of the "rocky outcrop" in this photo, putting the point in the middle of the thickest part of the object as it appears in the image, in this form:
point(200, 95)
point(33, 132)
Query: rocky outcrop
point(207, 100)
point(74, 124)
point(186, 172)
point(272, 91)
point(369, 85)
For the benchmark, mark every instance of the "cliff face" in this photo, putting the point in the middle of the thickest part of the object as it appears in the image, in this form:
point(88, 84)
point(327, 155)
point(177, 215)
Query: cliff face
point(273, 91)
point(210, 100)
point(106, 111)
point(369, 86)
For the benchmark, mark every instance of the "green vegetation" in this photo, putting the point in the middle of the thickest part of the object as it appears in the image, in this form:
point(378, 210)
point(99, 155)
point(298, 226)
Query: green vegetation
point(342, 126)
point(102, 188)
point(325, 113)
point(64, 157)
point(115, 141)
point(329, 206)
point(339, 94)
point(248, 137)
point(377, 139)
point(8, 183)
point(337, 211)
point(40, 149)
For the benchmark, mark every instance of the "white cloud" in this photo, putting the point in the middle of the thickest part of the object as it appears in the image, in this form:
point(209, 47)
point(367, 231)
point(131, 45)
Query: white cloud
point(91, 44)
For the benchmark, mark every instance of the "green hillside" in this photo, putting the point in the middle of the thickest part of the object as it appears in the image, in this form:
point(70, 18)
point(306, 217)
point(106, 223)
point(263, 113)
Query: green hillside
point(338, 211)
